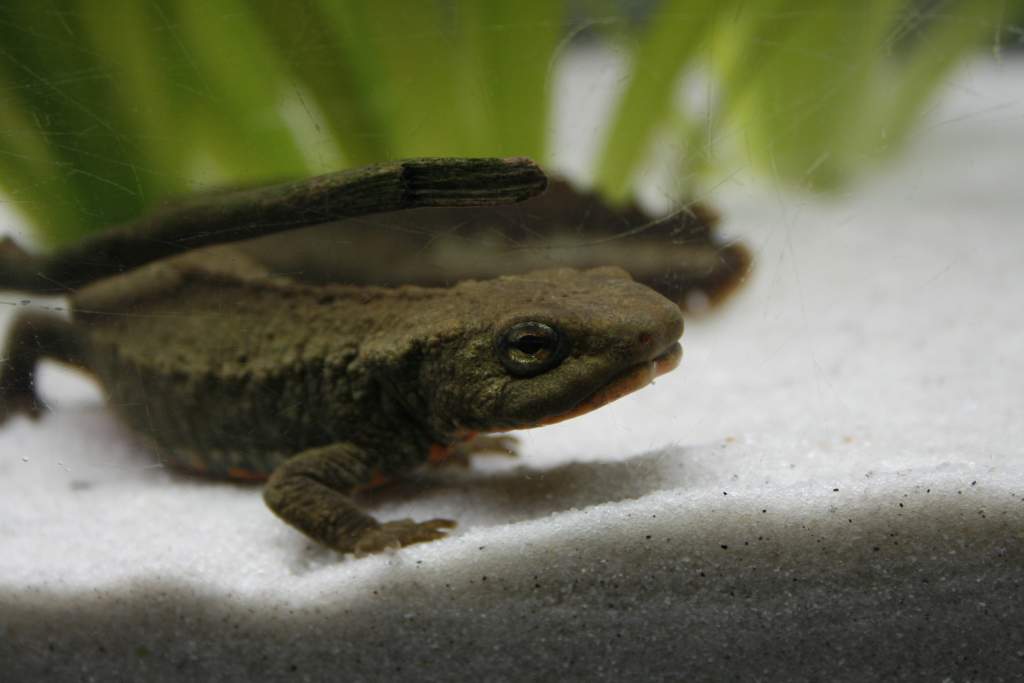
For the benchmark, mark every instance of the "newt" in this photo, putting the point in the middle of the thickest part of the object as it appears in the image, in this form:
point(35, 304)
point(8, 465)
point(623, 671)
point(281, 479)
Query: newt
point(680, 255)
point(227, 368)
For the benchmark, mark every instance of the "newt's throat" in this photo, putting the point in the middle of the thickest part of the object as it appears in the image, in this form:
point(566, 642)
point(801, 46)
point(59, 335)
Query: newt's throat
point(636, 377)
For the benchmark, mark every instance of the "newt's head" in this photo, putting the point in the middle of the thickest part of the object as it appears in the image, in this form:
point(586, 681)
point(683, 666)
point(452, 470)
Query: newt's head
point(539, 348)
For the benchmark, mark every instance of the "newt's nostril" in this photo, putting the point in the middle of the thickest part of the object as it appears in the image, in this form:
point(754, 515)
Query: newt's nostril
point(644, 339)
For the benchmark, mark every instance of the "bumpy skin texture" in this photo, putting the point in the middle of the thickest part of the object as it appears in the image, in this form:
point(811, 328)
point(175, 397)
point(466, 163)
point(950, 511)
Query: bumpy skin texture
point(230, 370)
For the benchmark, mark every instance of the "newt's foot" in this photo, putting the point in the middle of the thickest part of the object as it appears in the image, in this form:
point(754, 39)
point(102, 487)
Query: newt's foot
point(462, 453)
point(401, 533)
point(492, 444)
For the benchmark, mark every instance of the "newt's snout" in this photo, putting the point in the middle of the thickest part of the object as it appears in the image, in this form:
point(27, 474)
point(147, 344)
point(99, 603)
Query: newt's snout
point(657, 332)
point(648, 347)
point(576, 341)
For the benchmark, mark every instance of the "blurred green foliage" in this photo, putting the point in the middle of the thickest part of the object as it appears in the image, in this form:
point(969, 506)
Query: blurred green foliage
point(108, 107)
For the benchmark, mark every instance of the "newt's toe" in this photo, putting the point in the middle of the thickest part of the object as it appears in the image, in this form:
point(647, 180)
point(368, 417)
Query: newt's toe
point(462, 453)
point(499, 444)
point(401, 533)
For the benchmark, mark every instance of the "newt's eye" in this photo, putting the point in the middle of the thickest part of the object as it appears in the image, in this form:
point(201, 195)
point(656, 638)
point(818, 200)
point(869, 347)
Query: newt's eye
point(530, 348)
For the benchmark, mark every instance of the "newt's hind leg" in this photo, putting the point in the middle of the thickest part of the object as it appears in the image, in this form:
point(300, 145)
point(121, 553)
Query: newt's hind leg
point(312, 492)
point(32, 337)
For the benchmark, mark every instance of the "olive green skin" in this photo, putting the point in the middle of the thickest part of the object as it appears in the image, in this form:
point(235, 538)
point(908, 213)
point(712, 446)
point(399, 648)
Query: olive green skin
point(226, 369)
point(229, 369)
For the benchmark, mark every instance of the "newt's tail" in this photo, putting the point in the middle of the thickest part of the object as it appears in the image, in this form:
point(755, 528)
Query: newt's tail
point(238, 215)
point(21, 271)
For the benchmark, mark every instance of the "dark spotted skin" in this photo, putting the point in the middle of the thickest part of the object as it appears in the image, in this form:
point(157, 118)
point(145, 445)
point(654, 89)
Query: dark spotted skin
point(282, 368)
point(232, 371)
point(227, 369)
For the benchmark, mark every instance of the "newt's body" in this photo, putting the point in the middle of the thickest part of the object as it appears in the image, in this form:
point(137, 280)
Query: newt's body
point(228, 369)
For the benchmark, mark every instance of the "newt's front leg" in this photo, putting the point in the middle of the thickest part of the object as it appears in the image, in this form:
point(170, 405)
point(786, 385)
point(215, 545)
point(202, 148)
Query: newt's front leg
point(312, 492)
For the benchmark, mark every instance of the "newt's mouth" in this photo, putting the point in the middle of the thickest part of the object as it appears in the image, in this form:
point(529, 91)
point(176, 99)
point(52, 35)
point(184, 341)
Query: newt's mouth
point(634, 378)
